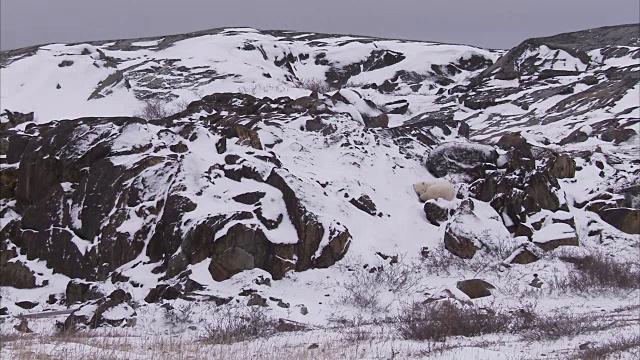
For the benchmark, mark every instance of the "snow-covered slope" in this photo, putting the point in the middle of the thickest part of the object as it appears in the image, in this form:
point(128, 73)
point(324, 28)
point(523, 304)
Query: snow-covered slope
point(238, 165)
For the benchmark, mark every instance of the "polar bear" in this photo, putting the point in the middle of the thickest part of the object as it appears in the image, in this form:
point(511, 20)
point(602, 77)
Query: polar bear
point(428, 190)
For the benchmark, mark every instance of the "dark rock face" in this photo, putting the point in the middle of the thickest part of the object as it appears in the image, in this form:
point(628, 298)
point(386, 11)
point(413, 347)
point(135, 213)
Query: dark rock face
point(17, 275)
point(618, 135)
point(524, 188)
point(458, 240)
point(562, 166)
point(365, 204)
point(16, 118)
point(86, 214)
point(78, 291)
point(437, 212)
point(624, 219)
point(475, 288)
point(461, 158)
point(249, 198)
point(27, 305)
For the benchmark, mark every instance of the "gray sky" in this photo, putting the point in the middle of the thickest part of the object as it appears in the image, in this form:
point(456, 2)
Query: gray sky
point(486, 23)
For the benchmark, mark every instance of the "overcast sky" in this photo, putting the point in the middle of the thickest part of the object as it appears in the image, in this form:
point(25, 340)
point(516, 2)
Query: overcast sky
point(486, 23)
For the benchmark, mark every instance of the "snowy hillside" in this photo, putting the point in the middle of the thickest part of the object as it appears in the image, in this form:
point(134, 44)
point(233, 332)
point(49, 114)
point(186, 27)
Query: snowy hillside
point(150, 186)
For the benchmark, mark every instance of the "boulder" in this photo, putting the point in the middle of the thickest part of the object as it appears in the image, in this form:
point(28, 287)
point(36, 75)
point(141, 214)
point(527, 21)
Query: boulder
point(249, 198)
point(364, 203)
point(510, 140)
point(79, 291)
point(377, 121)
point(522, 255)
point(17, 274)
point(472, 227)
point(555, 235)
point(461, 158)
point(475, 288)
point(437, 211)
point(624, 219)
point(617, 135)
point(27, 305)
point(562, 166)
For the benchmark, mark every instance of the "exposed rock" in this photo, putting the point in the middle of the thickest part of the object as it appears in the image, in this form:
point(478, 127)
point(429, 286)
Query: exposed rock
point(249, 198)
point(510, 140)
point(471, 229)
point(318, 125)
point(17, 118)
point(17, 275)
point(522, 255)
point(437, 211)
point(27, 305)
point(624, 219)
point(256, 300)
point(562, 166)
point(617, 135)
point(285, 325)
point(475, 288)
point(114, 310)
point(365, 204)
point(163, 291)
point(378, 121)
point(78, 291)
point(397, 107)
point(461, 158)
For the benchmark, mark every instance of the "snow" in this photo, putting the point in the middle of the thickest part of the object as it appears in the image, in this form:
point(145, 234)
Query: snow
point(553, 232)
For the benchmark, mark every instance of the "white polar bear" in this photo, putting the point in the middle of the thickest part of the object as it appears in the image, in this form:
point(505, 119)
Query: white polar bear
point(428, 190)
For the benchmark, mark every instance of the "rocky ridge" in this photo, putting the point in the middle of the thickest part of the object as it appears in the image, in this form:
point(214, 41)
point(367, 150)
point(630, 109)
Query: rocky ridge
point(541, 142)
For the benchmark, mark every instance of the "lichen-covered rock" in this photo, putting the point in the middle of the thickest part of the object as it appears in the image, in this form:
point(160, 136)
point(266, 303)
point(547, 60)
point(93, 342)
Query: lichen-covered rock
point(461, 158)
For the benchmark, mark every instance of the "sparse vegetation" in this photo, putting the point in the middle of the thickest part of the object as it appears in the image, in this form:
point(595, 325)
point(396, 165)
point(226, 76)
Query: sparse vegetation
point(365, 286)
point(318, 85)
point(565, 323)
point(236, 324)
point(154, 109)
point(438, 321)
point(597, 272)
point(617, 345)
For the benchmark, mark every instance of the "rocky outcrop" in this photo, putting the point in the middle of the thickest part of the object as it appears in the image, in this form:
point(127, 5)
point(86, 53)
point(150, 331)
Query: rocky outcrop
point(471, 229)
point(115, 310)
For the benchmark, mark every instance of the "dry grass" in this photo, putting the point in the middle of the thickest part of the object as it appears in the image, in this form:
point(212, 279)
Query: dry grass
point(237, 324)
point(154, 109)
point(616, 346)
point(597, 272)
point(317, 85)
point(438, 321)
